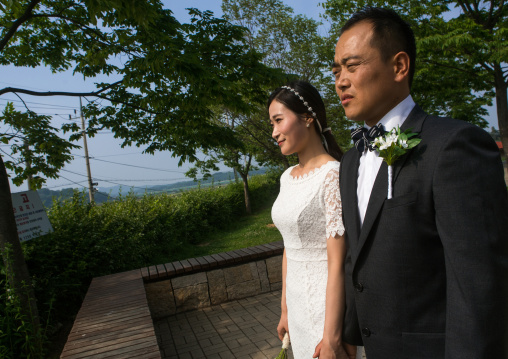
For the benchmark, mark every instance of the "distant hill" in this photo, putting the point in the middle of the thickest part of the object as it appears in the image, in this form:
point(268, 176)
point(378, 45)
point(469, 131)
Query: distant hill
point(111, 193)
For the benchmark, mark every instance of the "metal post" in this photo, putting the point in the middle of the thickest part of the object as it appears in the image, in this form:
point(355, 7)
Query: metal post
point(28, 167)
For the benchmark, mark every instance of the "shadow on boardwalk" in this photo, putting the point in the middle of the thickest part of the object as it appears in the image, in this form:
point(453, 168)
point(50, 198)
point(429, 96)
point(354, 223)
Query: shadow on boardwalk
point(244, 328)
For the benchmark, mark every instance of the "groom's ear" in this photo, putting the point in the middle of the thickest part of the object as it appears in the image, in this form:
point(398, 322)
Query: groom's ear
point(401, 67)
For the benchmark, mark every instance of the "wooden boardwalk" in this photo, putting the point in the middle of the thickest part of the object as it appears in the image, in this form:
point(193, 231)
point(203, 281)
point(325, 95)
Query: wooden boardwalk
point(114, 321)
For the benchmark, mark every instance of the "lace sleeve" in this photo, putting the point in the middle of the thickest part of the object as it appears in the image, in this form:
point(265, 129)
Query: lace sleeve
point(333, 204)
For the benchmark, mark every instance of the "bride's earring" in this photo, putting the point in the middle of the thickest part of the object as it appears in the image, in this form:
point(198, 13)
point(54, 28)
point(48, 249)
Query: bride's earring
point(308, 124)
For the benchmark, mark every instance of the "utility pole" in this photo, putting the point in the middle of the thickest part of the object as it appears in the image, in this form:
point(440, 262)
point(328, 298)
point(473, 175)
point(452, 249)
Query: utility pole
point(28, 167)
point(90, 183)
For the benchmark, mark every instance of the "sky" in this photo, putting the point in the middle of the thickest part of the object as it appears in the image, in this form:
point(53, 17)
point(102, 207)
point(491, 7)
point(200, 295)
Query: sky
point(110, 164)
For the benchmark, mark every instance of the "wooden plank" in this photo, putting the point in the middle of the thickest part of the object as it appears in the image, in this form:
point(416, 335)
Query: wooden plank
point(228, 258)
point(237, 257)
point(248, 255)
point(218, 259)
point(269, 250)
point(258, 250)
point(187, 267)
point(170, 269)
point(153, 272)
point(145, 273)
point(278, 244)
point(161, 270)
point(195, 264)
point(114, 320)
point(203, 262)
point(178, 267)
point(211, 261)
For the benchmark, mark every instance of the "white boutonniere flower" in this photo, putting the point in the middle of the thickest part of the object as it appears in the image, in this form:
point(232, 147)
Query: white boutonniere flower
point(393, 145)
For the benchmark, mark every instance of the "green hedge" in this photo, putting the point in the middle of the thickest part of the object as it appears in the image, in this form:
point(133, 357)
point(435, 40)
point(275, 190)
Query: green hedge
point(133, 232)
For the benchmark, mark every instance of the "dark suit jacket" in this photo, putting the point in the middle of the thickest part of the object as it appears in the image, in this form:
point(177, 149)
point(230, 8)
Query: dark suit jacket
point(427, 274)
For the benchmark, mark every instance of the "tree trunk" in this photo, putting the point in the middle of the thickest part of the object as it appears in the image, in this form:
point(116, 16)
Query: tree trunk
point(245, 178)
point(12, 255)
point(501, 105)
point(285, 161)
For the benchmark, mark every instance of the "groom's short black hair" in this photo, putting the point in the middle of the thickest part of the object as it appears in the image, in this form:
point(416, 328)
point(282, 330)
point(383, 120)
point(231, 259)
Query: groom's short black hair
point(391, 33)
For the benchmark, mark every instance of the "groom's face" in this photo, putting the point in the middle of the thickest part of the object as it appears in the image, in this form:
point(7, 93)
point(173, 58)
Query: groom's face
point(363, 80)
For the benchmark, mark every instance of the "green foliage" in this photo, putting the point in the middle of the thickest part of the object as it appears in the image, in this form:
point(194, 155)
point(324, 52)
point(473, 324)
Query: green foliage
point(36, 142)
point(457, 55)
point(133, 232)
point(17, 335)
point(160, 78)
point(294, 44)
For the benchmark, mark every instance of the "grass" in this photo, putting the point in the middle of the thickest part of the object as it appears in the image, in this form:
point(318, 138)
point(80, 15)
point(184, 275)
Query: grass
point(247, 231)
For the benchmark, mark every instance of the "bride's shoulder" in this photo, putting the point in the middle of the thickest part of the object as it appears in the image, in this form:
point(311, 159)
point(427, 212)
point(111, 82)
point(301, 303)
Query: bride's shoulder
point(333, 165)
point(287, 171)
point(332, 170)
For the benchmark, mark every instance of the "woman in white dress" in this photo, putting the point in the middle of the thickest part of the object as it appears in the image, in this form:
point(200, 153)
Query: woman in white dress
point(308, 214)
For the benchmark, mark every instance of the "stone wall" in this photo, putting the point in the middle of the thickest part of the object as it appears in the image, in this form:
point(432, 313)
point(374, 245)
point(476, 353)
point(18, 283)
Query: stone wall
point(202, 289)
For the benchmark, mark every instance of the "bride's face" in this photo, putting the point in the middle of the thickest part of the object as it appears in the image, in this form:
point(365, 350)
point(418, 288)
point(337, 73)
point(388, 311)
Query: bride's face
point(289, 130)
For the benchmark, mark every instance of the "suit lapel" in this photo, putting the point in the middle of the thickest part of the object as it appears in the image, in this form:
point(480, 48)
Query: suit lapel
point(414, 122)
point(380, 189)
point(376, 200)
point(349, 183)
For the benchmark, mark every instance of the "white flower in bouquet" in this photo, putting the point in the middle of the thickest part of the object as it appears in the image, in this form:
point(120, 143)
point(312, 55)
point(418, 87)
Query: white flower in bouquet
point(392, 146)
point(285, 346)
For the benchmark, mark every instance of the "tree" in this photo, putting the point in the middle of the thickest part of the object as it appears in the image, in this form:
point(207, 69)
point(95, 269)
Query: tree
point(294, 44)
point(462, 54)
point(286, 42)
point(159, 79)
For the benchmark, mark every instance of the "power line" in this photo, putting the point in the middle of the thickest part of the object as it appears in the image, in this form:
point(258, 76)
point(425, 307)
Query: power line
point(41, 103)
point(75, 173)
point(65, 184)
point(76, 183)
point(118, 154)
point(150, 180)
point(145, 188)
point(129, 165)
point(109, 181)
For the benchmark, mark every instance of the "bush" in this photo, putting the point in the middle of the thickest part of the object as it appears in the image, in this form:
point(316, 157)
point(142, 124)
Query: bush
point(133, 232)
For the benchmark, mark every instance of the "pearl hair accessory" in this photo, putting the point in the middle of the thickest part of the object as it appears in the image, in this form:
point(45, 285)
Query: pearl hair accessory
point(313, 114)
point(301, 98)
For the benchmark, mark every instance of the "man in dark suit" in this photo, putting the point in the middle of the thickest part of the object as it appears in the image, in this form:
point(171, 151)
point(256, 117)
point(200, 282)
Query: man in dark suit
point(427, 270)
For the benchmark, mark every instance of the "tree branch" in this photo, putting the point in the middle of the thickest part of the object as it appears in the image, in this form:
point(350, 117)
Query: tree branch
point(26, 15)
point(77, 94)
point(128, 104)
point(499, 12)
point(491, 12)
point(465, 7)
point(105, 41)
point(459, 69)
point(24, 103)
point(57, 93)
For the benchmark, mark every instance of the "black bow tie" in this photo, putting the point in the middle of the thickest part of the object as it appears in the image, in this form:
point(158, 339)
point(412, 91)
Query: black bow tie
point(363, 137)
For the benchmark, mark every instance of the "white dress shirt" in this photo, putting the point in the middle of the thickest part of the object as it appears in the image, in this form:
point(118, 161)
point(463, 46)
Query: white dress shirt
point(370, 162)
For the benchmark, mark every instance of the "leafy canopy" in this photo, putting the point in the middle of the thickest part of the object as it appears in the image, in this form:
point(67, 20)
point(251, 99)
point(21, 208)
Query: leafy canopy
point(460, 44)
point(156, 79)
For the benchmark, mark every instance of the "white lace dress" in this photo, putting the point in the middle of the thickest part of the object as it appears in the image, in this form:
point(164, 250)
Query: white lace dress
point(307, 211)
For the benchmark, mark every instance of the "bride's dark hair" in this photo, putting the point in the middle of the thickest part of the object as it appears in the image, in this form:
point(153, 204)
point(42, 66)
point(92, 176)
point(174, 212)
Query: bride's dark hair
point(310, 95)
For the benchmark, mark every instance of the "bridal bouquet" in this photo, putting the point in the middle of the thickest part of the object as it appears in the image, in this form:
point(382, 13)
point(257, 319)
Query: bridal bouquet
point(285, 346)
point(393, 145)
